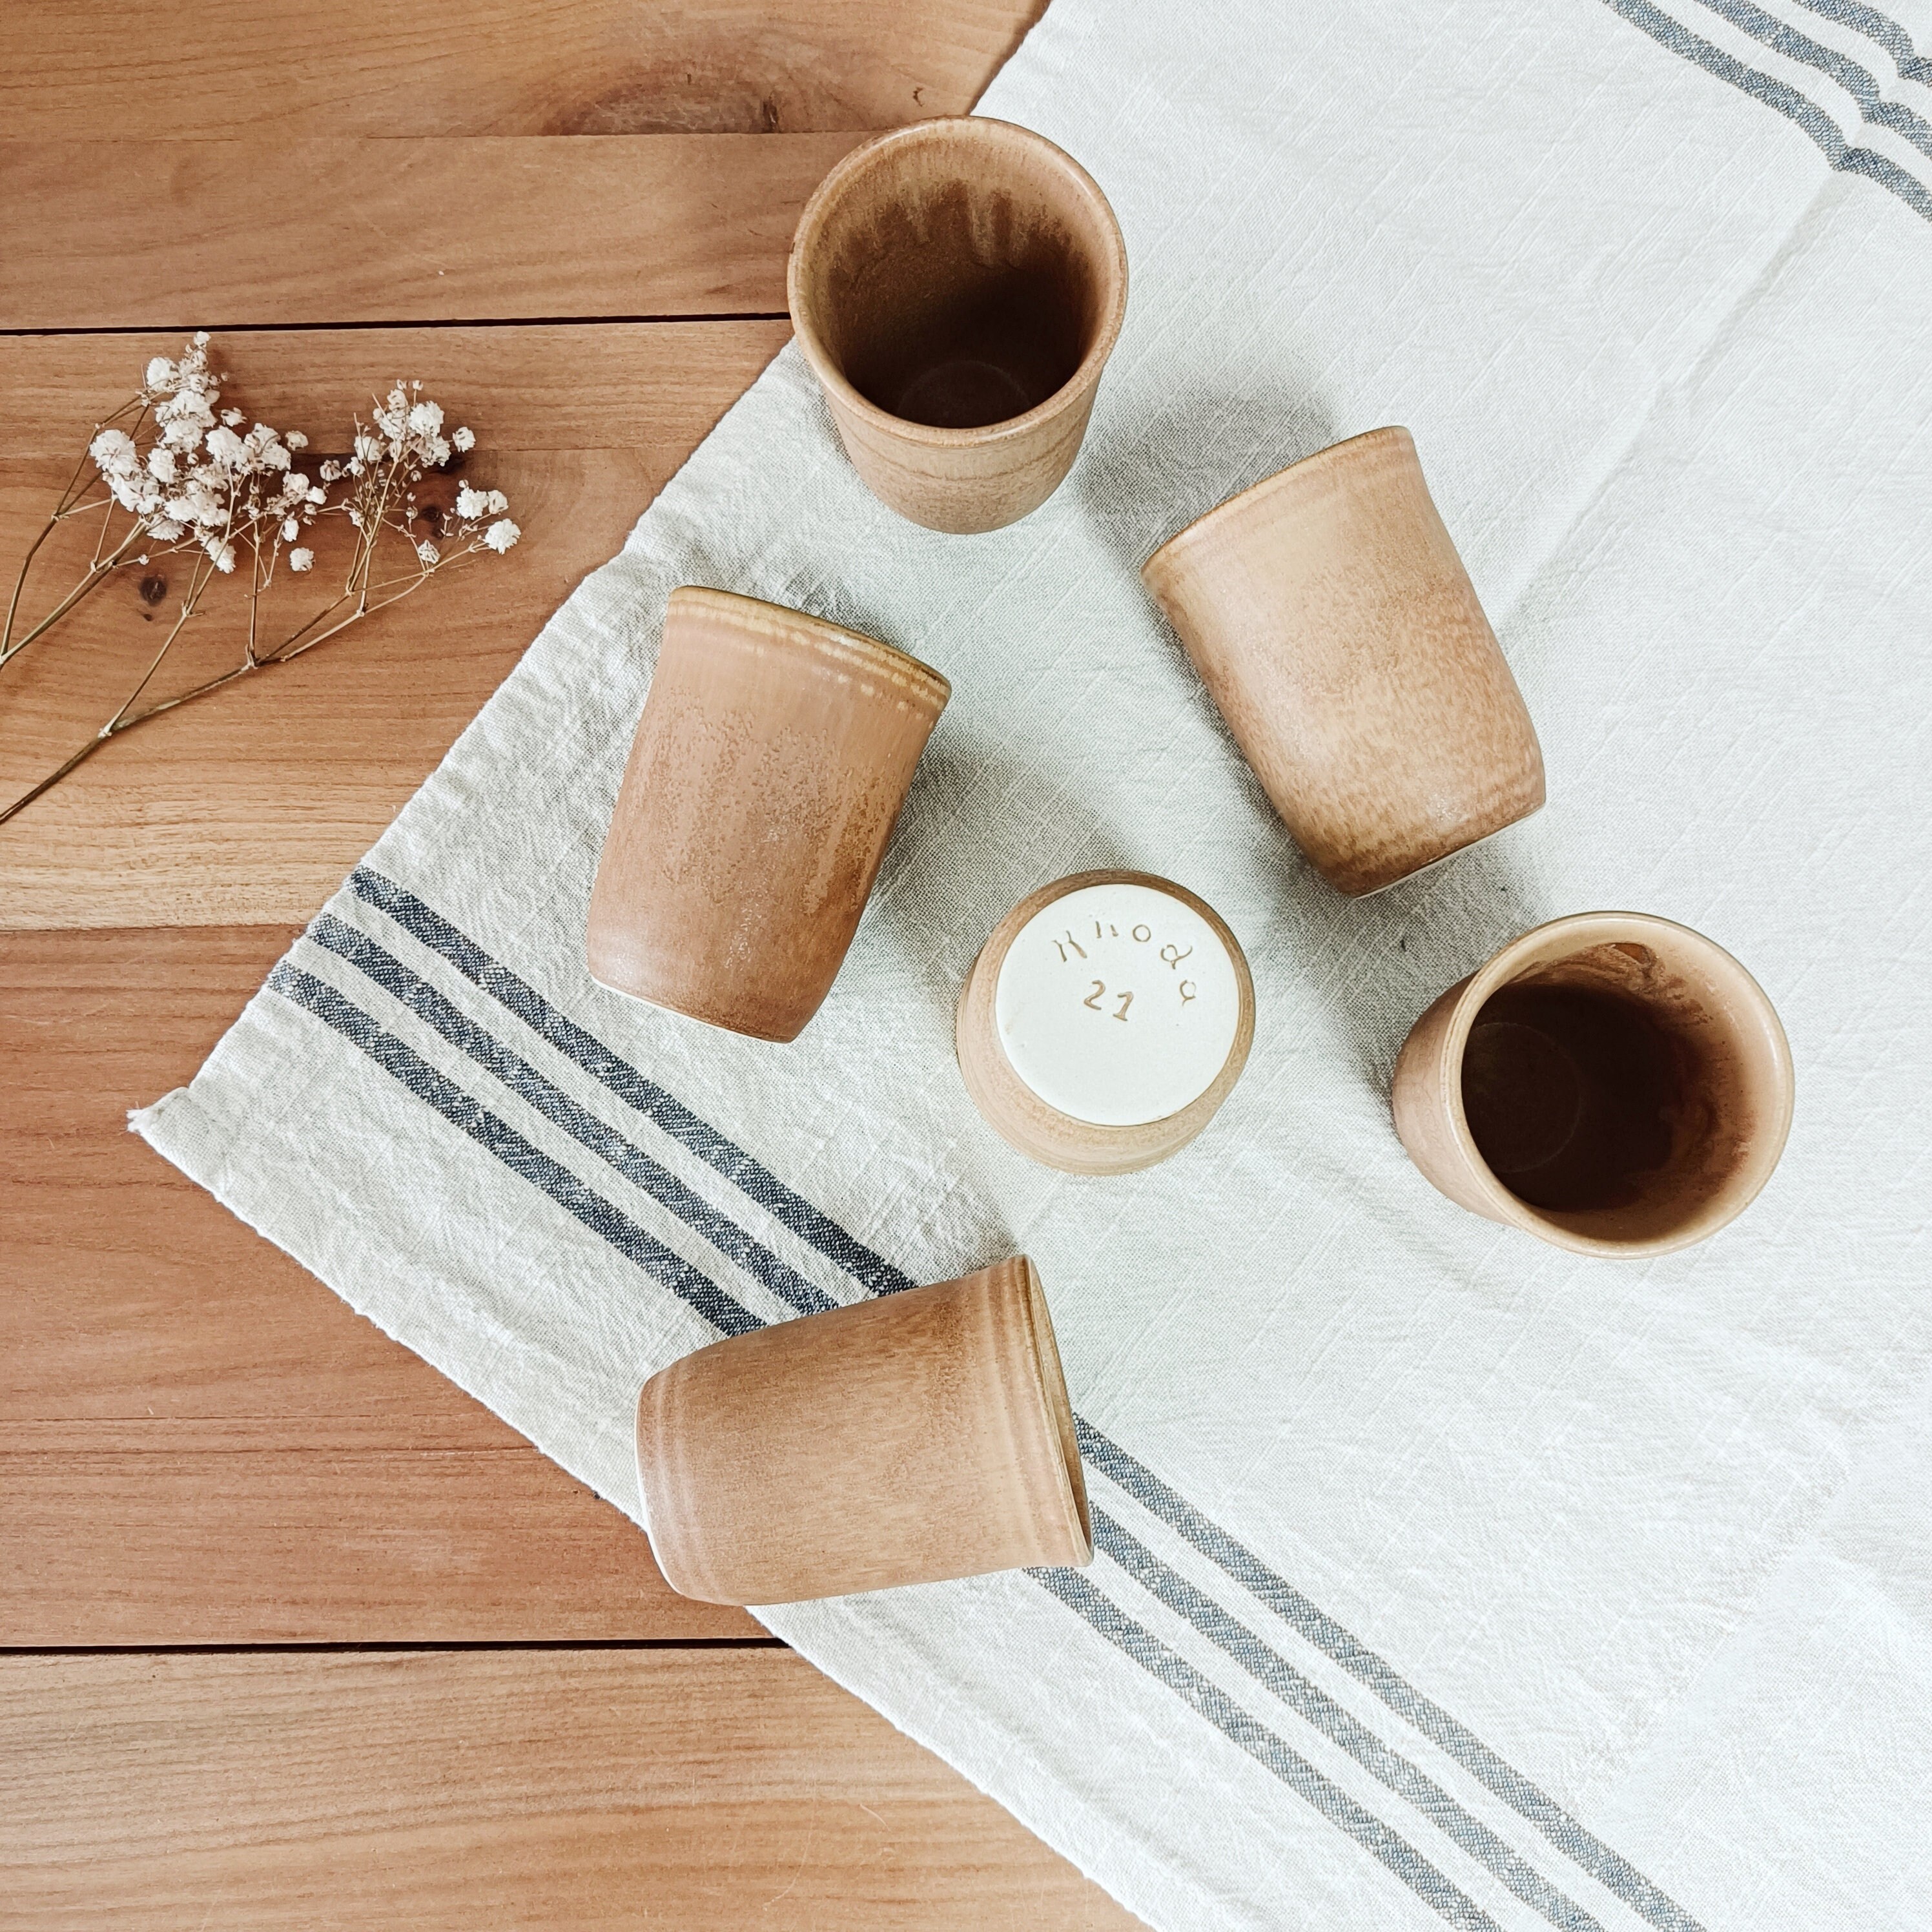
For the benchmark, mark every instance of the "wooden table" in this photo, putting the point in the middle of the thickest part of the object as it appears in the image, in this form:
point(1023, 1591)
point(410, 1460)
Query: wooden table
point(298, 1635)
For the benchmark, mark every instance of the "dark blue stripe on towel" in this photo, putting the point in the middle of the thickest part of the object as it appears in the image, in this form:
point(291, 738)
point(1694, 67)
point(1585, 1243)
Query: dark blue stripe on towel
point(873, 1273)
point(1209, 1701)
point(1874, 108)
point(1616, 1874)
point(1268, 1668)
point(1797, 108)
point(1879, 28)
point(523, 1079)
point(498, 1137)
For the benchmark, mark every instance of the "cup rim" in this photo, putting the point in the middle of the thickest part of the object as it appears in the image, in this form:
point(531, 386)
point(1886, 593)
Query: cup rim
point(1577, 932)
point(911, 676)
point(929, 435)
point(1049, 1382)
point(1351, 449)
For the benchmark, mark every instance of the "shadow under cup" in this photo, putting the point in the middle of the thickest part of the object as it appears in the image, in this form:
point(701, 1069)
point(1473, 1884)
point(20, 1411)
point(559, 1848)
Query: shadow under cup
point(1613, 1083)
point(957, 285)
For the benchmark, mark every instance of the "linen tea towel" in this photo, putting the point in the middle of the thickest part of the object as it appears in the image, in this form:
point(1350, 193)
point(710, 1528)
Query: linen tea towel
point(1442, 1575)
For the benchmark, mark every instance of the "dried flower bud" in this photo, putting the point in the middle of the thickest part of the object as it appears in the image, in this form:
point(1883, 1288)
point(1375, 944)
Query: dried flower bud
point(464, 439)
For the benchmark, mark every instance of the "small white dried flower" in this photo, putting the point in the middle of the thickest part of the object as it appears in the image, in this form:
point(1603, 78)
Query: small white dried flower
point(224, 446)
point(331, 471)
point(221, 550)
point(498, 503)
point(500, 536)
point(114, 454)
point(234, 418)
point(161, 464)
point(161, 375)
point(356, 516)
point(425, 418)
point(300, 559)
point(464, 439)
point(427, 551)
point(165, 528)
point(472, 502)
point(296, 439)
point(291, 529)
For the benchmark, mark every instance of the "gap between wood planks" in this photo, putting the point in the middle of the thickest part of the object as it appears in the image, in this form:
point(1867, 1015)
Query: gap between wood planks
point(453, 321)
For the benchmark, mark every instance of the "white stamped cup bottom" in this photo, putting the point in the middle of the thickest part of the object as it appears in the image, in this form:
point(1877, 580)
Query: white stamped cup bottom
point(1107, 1017)
point(1118, 1005)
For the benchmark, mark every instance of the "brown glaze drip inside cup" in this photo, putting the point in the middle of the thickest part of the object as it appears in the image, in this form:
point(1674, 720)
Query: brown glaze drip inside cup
point(956, 304)
point(1608, 1091)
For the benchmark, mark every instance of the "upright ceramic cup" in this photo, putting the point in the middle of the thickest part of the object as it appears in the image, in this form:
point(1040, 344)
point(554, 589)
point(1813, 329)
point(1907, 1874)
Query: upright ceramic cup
point(1613, 1082)
point(957, 286)
point(922, 1436)
point(1335, 627)
point(773, 755)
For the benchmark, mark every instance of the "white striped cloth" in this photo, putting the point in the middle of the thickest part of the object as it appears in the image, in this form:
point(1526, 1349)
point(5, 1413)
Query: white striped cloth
point(1443, 1575)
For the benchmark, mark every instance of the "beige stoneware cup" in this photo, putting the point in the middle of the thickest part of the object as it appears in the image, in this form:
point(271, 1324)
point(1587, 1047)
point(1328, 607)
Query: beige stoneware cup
point(1611, 1082)
point(957, 286)
point(773, 755)
point(1332, 622)
point(919, 1436)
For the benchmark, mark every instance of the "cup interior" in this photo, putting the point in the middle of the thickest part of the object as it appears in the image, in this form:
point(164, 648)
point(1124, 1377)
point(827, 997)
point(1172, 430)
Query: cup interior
point(1633, 1091)
point(960, 275)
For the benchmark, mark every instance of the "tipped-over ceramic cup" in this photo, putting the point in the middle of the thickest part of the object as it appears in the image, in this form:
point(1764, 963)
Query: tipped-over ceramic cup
point(957, 286)
point(773, 755)
point(907, 1439)
point(1105, 1021)
point(1613, 1082)
point(1332, 622)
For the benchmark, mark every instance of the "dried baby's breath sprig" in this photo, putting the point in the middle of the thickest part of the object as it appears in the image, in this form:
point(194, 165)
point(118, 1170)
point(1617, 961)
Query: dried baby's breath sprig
point(187, 479)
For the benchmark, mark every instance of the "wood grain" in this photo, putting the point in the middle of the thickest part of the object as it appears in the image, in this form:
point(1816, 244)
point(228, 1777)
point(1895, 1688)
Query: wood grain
point(203, 1443)
point(268, 231)
point(170, 69)
point(565, 1789)
point(249, 806)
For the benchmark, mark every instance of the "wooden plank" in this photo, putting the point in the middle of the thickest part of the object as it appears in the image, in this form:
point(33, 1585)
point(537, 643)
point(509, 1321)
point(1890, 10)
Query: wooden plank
point(577, 1789)
point(191, 69)
point(266, 231)
point(201, 1443)
point(249, 806)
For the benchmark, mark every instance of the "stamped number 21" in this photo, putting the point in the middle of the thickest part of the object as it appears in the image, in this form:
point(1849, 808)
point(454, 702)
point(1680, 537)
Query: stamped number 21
point(1099, 993)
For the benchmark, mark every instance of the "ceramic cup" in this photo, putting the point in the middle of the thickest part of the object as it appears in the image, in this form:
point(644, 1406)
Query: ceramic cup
point(957, 286)
point(773, 755)
point(1334, 625)
point(1613, 1082)
point(919, 1436)
point(1105, 1021)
